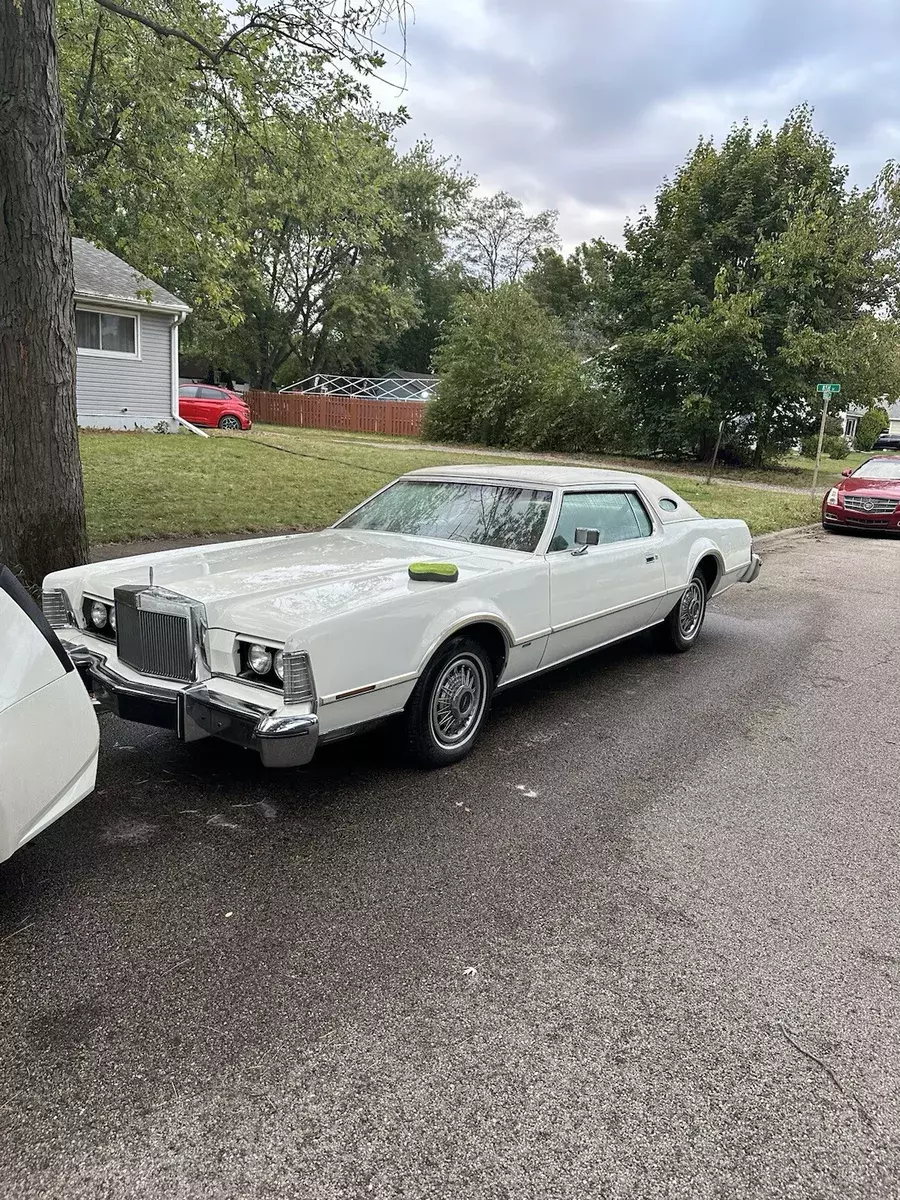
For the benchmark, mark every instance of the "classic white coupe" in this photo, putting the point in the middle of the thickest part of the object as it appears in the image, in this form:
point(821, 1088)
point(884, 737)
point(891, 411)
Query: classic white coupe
point(442, 587)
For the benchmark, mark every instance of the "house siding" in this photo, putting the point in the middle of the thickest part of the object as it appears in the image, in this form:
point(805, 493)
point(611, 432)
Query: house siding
point(125, 393)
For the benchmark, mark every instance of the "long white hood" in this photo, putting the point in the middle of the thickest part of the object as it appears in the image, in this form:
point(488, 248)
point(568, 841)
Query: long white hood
point(274, 586)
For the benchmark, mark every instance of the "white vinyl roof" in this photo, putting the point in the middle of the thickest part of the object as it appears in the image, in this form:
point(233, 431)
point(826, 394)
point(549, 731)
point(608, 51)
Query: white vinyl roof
point(557, 475)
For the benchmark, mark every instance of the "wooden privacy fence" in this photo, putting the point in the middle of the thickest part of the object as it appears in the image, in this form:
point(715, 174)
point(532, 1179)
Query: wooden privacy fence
point(402, 418)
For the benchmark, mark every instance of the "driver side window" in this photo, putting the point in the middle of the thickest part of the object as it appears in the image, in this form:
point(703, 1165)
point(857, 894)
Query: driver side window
point(620, 517)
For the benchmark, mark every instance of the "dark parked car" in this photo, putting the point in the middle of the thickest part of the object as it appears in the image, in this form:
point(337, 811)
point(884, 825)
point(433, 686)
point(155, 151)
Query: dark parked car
point(887, 441)
point(867, 498)
point(203, 404)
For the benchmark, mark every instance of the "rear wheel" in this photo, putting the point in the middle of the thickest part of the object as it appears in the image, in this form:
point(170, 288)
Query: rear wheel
point(449, 705)
point(229, 422)
point(682, 626)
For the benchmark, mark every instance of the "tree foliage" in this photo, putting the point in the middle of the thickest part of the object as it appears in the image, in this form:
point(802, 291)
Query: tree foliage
point(507, 375)
point(497, 241)
point(757, 274)
point(262, 189)
point(578, 291)
point(332, 236)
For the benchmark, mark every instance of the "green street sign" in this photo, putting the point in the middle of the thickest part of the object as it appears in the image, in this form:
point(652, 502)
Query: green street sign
point(828, 387)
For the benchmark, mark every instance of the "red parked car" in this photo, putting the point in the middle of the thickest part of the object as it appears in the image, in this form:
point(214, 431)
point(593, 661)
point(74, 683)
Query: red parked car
point(203, 404)
point(867, 498)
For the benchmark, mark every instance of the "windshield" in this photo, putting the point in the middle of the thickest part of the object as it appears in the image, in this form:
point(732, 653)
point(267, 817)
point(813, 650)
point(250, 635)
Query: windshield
point(512, 518)
point(879, 468)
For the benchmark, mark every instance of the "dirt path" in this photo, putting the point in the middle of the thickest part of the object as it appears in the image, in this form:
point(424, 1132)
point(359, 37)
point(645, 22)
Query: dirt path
point(612, 464)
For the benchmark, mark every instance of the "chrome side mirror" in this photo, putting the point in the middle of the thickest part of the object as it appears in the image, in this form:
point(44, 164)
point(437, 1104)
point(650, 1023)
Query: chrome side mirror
point(585, 538)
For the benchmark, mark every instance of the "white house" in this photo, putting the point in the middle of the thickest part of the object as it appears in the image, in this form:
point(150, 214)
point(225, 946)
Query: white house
point(852, 416)
point(126, 330)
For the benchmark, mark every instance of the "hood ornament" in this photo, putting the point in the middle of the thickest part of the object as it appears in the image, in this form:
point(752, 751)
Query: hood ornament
point(151, 577)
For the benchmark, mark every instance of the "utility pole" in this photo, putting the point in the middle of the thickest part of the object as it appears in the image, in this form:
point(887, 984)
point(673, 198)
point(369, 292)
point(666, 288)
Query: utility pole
point(712, 465)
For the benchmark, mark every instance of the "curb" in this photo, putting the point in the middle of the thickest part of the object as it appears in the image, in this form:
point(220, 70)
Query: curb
point(772, 539)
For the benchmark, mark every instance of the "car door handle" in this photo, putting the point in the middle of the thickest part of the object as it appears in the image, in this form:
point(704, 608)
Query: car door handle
point(652, 557)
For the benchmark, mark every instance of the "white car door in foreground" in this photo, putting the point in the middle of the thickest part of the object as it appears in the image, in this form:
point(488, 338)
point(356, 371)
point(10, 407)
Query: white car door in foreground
point(48, 731)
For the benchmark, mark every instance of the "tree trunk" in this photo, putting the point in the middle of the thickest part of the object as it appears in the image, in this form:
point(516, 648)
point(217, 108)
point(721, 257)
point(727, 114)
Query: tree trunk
point(41, 494)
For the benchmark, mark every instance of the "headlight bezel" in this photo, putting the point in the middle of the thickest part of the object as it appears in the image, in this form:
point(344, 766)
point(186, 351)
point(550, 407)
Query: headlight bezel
point(247, 673)
point(833, 499)
point(107, 631)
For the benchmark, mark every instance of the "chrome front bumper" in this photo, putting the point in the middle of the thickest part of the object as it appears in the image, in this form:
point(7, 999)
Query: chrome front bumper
point(281, 739)
point(753, 568)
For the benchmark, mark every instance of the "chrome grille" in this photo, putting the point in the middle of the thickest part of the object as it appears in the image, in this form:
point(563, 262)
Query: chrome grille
point(870, 504)
point(153, 642)
point(55, 608)
point(299, 685)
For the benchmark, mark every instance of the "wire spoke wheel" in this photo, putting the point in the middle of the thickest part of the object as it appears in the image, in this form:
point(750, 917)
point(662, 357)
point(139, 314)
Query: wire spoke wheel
point(690, 610)
point(458, 701)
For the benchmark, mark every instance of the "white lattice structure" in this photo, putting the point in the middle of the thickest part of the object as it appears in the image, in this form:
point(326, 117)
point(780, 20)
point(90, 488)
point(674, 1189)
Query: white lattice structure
point(401, 386)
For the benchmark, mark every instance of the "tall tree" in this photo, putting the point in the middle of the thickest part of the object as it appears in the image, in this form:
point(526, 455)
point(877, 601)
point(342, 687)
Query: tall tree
point(232, 48)
point(436, 288)
point(41, 499)
point(757, 274)
point(332, 231)
point(497, 241)
point(578, 291)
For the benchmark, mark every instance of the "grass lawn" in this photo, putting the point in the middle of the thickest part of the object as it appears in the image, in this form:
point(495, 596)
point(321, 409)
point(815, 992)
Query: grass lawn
point(792, 472)
point(146, 484)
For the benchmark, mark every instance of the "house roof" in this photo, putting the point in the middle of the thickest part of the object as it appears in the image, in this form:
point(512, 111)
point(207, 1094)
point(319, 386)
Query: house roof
point(893, 410)
point(100, 275)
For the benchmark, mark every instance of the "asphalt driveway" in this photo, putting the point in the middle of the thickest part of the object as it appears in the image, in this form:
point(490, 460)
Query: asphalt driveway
point(645, 942)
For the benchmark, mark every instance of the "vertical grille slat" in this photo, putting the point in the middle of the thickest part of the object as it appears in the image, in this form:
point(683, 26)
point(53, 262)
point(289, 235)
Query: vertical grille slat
point(154, 643)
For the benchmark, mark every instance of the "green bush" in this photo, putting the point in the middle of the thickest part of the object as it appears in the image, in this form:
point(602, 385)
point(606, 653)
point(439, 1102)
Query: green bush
point(871, 423)
point(508, 376)
point(832, 446)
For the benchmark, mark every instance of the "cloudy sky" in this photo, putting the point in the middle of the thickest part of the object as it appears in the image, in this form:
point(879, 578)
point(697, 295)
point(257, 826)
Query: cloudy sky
point(584, 105)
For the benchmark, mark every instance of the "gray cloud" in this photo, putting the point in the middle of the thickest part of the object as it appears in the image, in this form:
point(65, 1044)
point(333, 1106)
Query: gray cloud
point(584, 105)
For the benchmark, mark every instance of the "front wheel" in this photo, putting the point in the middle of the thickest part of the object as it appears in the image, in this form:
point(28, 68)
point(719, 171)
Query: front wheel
point(449, 704)
point(230, 422)
point(682, 626)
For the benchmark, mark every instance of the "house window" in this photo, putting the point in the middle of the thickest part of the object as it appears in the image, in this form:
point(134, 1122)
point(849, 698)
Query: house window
point(105, 333)
point(851, 427)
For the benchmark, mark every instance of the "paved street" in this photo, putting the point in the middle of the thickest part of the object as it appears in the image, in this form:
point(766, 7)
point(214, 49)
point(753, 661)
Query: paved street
point(645, 942)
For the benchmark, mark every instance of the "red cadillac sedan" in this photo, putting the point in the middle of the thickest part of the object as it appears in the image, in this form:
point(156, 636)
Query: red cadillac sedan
point(867, 498)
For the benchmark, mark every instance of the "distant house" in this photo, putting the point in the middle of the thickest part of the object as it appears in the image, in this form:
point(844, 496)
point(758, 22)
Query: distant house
point(126, 331)
point(851, 418)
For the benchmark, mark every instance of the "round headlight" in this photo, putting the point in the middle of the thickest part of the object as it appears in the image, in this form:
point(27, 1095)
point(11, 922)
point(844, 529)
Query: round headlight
point(279, 664)
point(98, 614)
point(260, 660)
point(112, 617)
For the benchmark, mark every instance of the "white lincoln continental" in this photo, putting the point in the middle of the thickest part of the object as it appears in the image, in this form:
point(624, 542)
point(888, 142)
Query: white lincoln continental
point(441, 588)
